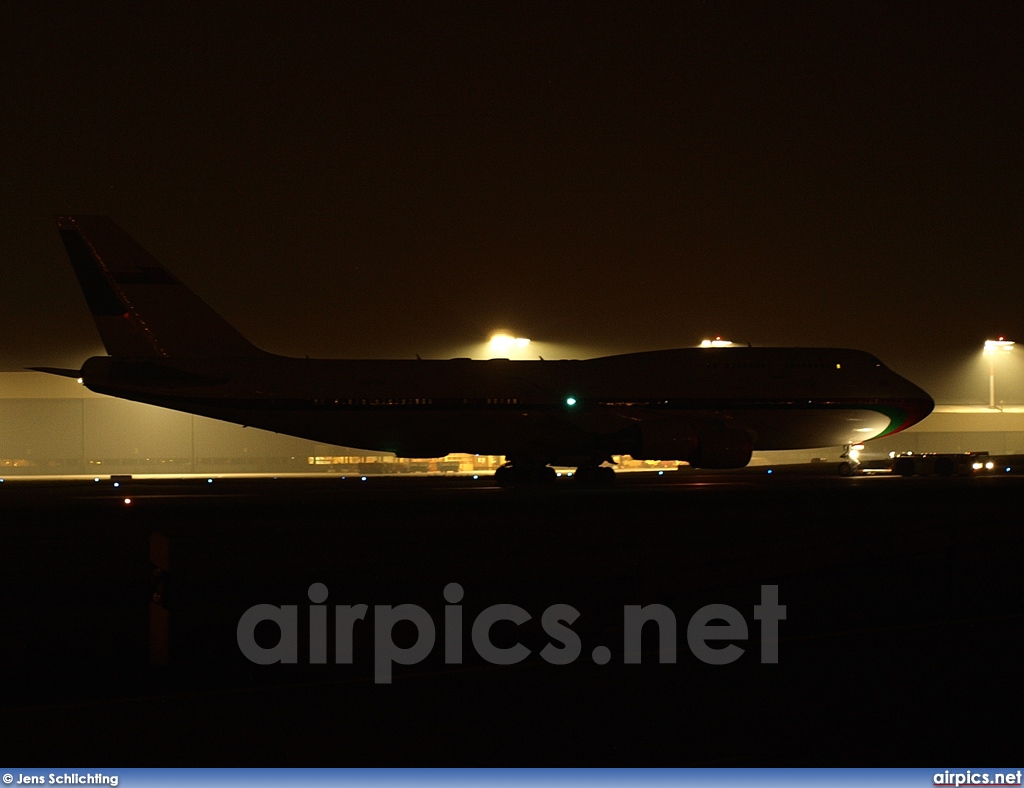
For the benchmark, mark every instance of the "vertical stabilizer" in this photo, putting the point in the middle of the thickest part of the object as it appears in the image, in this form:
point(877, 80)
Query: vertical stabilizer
point(141, 309)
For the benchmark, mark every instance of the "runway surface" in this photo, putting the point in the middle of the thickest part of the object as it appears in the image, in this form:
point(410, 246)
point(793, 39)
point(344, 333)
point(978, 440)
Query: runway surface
point(901, 643)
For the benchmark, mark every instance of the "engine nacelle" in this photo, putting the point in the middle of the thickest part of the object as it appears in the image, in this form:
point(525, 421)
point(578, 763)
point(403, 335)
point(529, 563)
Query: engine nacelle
point(700, 445)
point(665, 439)
point(723, 447)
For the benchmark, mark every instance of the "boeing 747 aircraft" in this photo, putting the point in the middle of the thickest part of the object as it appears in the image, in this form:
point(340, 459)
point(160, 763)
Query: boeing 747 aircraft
point(711, 407)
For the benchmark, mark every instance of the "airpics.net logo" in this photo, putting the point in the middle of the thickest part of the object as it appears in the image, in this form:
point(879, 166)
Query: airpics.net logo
point(712, 632)
point(949, 778)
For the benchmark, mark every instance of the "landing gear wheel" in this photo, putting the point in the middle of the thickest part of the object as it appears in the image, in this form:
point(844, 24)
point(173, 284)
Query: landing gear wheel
point(544, 474)
point(526, 475)
point(594, 476)
point(584, 476)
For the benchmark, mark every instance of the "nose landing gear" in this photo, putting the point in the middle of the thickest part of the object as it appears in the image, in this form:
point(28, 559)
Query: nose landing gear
point(850, 465)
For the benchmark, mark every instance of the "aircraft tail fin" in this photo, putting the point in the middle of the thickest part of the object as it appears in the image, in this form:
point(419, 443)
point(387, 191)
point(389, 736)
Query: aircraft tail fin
point(141, 309)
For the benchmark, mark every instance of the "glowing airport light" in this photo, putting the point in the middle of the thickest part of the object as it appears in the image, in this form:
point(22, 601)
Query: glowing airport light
point(506, 342)
point(995, 347)
point(716, 342)
point(1003, 344)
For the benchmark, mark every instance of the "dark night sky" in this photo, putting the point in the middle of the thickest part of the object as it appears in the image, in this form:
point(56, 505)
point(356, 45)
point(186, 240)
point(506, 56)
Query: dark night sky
point(382, 179)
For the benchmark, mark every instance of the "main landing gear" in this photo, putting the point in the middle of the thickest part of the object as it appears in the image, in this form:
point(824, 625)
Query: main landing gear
point(524, 475)
point(534, 474)
point(594, 476)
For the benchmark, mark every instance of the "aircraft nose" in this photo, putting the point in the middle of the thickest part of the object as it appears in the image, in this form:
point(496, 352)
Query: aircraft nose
point(918, 403)
point(920, 408)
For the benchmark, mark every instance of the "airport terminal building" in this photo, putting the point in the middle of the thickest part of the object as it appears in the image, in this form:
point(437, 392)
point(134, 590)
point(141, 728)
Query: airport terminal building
point(51, 425)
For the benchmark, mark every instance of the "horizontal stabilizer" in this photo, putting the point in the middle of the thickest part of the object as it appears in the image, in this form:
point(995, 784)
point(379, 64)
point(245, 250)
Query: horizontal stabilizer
point(65, 373)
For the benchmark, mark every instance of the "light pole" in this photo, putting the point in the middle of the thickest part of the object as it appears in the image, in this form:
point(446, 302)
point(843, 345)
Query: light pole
point(992, 347)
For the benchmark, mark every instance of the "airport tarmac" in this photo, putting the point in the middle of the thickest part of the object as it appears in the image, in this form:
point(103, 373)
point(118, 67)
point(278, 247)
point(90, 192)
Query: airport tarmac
point(901, 643)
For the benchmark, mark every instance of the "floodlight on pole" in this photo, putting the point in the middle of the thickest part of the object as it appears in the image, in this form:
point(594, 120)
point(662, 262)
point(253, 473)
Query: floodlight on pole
point(505, 342)
point(994, 347)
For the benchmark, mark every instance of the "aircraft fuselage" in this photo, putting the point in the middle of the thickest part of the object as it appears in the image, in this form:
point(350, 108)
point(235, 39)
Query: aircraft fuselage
point(784, 398)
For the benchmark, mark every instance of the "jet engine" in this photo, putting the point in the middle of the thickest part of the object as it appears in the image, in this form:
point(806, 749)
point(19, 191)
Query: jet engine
point(723, 447)
point(703, 446)
point(665, 439)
